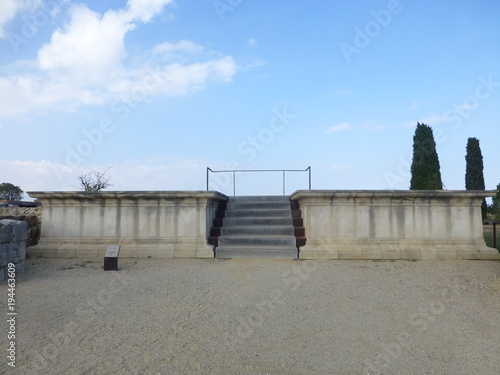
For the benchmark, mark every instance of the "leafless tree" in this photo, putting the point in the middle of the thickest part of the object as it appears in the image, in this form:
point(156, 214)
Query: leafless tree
point(94, 180)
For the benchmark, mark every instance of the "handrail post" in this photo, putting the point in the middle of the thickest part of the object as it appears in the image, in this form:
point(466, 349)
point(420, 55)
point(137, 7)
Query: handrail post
point(495, 235)
point(284, 182)
point(207, 176)
point(309, 168)
point(234, 183)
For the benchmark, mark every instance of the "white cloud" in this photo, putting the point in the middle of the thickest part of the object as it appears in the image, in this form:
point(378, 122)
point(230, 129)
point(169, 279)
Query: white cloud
point(36, 175)
point(252, 65)
point(84, 63)
point(338, 128)
point(184, 46)
point(164, 174)
point(252, 42)
point(339, 167)
point(87, 48)
point(144, 10)
point(9, 10)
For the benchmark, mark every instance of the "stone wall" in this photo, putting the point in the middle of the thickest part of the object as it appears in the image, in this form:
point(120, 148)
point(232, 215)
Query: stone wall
point(32, 216)
point(145, 224)
point(393, 225)
point(12, 245)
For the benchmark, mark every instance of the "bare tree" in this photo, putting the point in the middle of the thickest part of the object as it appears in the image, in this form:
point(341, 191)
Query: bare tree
point(94, 180)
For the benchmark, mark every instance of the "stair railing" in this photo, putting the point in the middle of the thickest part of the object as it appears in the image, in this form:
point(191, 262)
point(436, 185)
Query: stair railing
point(234, 171)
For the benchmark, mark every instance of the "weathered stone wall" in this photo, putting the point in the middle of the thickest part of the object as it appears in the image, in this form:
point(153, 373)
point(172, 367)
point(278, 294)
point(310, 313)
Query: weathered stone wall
point(12, 245)
point(145, 224)
point(31, 215)
point(393, 225)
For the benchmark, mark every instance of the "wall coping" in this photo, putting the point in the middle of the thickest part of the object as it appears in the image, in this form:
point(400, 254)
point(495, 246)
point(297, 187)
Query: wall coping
point(425, 194)
point(168, 195)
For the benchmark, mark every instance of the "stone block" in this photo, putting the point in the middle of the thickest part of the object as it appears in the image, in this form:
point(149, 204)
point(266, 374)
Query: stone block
point(370, 250)
point(412, 219)
point(410, 253)
point(390, 249)
point(10, 251)
point(428, 253)
point(5, 231)
point(446, 250)
point(21, 250)
point(4, 258)
point(349, 249)
point(19, 231)
point(144, 223)
point(144, 252)
point(320, 249)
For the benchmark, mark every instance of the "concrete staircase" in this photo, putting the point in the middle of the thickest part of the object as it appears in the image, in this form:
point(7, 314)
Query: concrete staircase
point(257, 227)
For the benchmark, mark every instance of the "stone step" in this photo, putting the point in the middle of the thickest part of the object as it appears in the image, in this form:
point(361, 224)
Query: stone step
point(257, 227)
point(256, 241)
point(245, 230)
point(258, 205)
point(260, 198)
point(282, 212)
point(251, 221)
point(262, 252)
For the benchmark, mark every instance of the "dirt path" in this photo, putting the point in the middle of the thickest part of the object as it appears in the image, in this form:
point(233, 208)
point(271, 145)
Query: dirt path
point(183, 316)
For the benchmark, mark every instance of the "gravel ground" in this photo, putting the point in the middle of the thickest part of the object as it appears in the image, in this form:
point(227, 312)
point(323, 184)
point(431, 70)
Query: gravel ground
point(188, 316)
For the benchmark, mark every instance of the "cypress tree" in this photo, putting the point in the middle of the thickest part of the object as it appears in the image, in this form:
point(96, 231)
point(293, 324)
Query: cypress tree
point(474, 176)
point(425, 169)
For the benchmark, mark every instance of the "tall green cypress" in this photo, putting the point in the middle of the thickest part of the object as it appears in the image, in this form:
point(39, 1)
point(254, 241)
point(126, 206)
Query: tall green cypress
point(425, 169)
point(474, 176)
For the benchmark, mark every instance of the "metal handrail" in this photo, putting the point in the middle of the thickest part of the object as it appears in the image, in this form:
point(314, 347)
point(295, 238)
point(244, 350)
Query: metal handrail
point(233, 171)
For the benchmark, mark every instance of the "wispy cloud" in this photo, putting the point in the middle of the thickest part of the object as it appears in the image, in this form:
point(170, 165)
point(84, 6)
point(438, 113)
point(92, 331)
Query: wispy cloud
point(180, 48)
point(252, 42)
point(338, 128)
point(414, 105)
point(372, 125)
point(339, 167)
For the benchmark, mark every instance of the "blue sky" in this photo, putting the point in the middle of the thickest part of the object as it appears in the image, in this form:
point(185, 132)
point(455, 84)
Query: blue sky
point(159, 90)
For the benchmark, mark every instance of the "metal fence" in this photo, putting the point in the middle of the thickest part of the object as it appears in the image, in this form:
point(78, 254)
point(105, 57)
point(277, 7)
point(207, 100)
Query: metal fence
point(495, 244)
point(491, 235)
point(234, 172)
